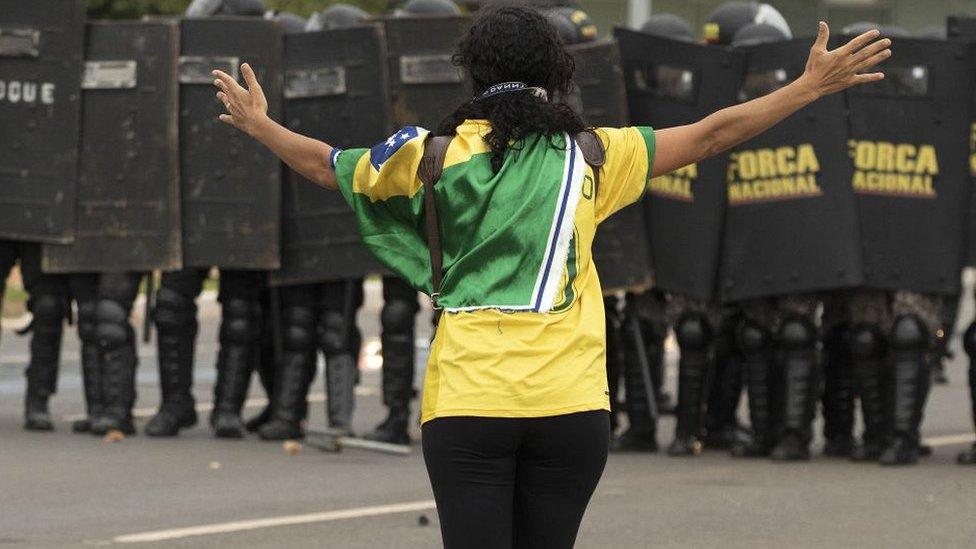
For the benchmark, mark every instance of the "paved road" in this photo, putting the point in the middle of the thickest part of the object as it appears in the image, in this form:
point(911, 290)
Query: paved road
point(66, 490)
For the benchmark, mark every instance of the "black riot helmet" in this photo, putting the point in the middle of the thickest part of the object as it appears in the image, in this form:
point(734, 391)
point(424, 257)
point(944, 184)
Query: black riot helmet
point(336, 16)
point(415, 8)
point(730, 17)
point(758, 33)
point(291, 23)
point(669, 25)
point(573, 25)
point(208, 8)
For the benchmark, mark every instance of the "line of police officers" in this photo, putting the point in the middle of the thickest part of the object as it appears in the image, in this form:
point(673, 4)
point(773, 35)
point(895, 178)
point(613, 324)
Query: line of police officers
point(866, 331)
point(790, 321)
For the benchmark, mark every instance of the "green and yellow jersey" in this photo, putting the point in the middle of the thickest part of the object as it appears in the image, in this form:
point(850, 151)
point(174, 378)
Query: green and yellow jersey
point(523, 334)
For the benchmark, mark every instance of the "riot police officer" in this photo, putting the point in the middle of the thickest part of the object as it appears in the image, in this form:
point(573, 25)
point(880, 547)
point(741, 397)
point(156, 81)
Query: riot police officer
point(778, 334)
point(243, 306)
point(400, 308)
point(694, 321)
point(317, 316)
point(48, 303)
point(108, 349)
point(893, 331)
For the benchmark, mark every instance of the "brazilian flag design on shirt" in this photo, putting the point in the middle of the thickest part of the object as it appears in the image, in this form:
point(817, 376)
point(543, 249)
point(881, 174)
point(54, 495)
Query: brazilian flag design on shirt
point(506, 242)
point(525, 337)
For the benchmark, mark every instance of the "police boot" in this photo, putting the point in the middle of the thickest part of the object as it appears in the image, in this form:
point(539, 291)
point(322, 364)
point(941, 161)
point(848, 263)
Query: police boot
point(237, 334)
point(296, 370)
point(724, 389)
point(341, 376)
point(176, 328)
point(838, 393)
point(91, 368)
point(339, 340)
point(868, 352)
point(264, 355)
point(755, 345)
point(797, 341)
point(264, 364)
point(117, 354)
point(49, 311)
point(910, 372)
point(694, 339)
point(641, 433)
point(969, 343)
point(398, 371)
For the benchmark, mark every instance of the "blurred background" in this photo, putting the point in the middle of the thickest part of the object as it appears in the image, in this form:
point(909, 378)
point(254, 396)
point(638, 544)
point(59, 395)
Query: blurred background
point(912, 15)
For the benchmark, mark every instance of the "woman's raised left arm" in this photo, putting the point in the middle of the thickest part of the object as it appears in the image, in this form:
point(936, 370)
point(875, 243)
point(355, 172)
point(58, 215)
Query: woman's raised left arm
point(247, 110)
point(827, 71)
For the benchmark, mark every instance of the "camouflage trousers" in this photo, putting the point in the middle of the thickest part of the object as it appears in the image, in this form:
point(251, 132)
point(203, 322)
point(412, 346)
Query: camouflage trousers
point(881, 307)
point(770, 312)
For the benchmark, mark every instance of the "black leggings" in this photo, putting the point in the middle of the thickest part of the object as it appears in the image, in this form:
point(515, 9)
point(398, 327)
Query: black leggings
point(514, 482)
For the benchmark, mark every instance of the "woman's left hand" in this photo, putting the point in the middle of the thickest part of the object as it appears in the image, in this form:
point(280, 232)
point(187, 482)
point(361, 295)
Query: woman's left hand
point(247, 109)
point(830, 71)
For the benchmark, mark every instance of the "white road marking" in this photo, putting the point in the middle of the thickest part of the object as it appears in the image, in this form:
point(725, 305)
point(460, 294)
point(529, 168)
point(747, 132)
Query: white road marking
point(291, 520)
point(950, 440)
point(249, 403)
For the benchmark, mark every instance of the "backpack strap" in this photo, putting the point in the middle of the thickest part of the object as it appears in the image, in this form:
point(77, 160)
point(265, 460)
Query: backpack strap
point(594, 154)
point(429, 172)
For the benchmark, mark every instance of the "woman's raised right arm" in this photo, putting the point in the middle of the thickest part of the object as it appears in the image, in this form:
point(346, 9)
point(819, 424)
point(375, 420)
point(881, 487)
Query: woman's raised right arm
point(247, 110)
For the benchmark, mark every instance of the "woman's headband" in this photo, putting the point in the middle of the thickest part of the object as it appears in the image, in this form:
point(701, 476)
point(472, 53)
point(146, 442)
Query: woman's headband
point(508, 87)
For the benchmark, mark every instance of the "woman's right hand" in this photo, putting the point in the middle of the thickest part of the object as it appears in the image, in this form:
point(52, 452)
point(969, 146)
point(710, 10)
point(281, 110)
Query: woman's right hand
point(247, 109)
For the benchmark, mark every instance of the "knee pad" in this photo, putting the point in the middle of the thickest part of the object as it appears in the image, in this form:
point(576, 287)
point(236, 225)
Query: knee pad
point(49, 308)
point(331, 331)
point(298, 325)
point(87, 321)
point(397, 316)
point(797, 333)
point(693, 332)
point(909, 333)
point(866, 342)
point(236, 324)
point(751, 337)
point(112, 329)
point(175, 312)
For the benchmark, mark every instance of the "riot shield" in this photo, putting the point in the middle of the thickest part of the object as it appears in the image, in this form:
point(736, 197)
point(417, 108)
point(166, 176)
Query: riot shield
point(335, 90)
point(599, 79)
point(231, 184)
point(41, 44)
point(620, 250)
point(964, 28)
point(670, 83)
point(791, 223)
point(128, 183)
point(909, 143)
point(426, 86)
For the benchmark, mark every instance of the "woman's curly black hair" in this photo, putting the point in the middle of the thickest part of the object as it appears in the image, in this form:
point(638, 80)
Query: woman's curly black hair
point(515, 44)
